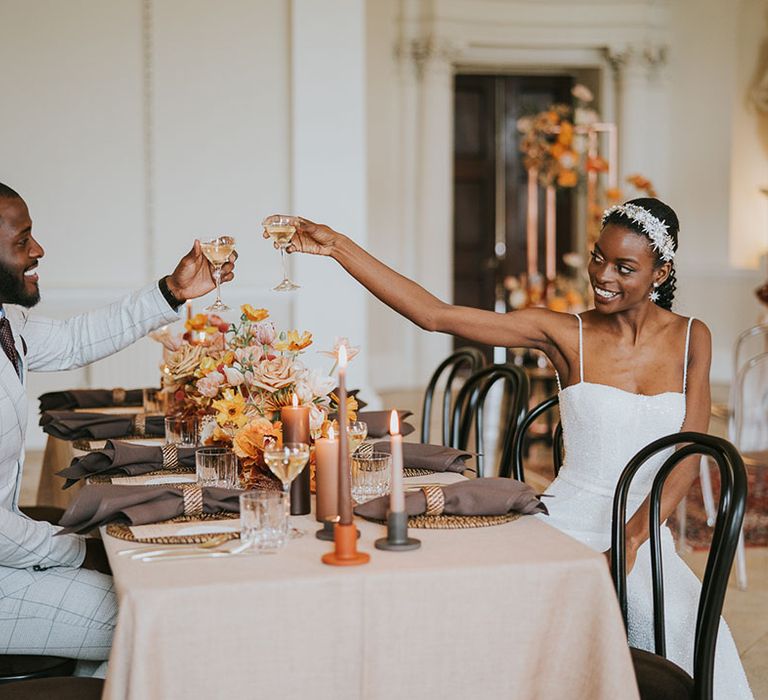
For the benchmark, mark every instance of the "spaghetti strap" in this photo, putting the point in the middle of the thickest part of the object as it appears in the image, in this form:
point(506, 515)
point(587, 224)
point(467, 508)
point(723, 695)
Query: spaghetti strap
point(581, 349)
point(685, 359)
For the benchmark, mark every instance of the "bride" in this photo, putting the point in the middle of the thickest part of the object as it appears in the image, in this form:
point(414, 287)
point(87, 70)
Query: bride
point(630, 371)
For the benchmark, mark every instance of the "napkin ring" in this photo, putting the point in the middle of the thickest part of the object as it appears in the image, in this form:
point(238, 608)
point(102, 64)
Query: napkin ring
point(170, 456)
point(435, 500)
point(193, 499)
point(118, 397)
point(140, 425)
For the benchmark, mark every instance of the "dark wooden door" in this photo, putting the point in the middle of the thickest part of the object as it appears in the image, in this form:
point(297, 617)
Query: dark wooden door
point(486, 109)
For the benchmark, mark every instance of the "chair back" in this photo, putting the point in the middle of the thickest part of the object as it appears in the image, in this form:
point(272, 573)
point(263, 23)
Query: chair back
point(730, 514)
point(749, 343)
point(516, 467)
point(470, 359)
point(469, 410)
point(749, 427)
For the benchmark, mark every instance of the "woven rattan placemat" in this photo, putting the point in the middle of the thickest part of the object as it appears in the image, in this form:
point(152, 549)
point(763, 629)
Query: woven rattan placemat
point(455, 522)
point(123, 531)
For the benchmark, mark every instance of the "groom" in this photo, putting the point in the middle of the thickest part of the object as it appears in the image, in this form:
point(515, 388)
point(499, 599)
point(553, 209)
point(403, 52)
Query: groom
point(55, 595)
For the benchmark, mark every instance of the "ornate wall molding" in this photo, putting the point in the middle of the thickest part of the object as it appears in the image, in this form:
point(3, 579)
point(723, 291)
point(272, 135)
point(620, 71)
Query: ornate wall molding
point(429, 53)
point(647, 60)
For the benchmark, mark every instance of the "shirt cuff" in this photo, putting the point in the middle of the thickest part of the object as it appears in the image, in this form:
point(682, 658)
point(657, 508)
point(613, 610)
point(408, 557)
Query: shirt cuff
point(173, 302)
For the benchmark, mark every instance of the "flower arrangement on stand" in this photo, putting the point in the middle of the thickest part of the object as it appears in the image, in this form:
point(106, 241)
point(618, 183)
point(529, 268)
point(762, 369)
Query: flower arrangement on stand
point(561, 149)
point(236, 377)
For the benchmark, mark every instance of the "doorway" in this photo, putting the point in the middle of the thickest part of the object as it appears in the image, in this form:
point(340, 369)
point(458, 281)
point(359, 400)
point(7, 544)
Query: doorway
point(490, 185)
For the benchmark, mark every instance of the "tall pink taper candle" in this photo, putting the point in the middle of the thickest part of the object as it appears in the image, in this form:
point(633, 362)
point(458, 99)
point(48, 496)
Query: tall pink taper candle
point(345, 492)
point(396, 495)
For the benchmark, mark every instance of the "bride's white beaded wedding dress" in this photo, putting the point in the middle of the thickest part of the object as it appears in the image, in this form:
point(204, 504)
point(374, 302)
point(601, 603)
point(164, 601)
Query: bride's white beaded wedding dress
point(603, 428)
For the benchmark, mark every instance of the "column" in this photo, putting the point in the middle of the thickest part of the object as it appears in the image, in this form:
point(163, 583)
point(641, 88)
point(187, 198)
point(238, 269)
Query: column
point(329, 166)
point(639, 109)
point(433, 212)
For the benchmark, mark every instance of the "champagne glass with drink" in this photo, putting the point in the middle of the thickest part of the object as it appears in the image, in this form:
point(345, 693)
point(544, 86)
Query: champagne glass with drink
point(286, 463)
point(217, 251)
point(281, 229)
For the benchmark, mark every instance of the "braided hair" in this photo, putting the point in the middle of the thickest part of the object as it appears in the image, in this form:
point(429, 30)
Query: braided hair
point(663, 213)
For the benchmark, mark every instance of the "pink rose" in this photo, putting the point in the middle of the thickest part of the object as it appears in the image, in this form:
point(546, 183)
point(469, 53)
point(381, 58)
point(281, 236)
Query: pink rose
point(209, 385)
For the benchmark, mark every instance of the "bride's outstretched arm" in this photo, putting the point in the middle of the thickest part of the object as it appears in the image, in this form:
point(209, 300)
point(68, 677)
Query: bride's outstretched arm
point(697, 410)
point(537, 328)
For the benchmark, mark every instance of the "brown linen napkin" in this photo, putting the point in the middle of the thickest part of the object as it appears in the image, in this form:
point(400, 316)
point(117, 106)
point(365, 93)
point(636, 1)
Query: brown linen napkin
point(97, 505)
point(378, 422)
point(69, 425)
point(125, 458)
point(436, 458)
point(89, 398)
point(488, 496)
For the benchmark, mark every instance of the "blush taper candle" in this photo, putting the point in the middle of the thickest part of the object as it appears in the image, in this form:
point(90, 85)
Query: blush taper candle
point(396, 494)
point(345, 492)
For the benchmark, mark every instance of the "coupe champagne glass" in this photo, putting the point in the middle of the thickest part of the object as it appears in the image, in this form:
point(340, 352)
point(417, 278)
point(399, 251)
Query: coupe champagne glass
point(281, 229)
point(217, 251)
point(286, 463)
point(357, 431)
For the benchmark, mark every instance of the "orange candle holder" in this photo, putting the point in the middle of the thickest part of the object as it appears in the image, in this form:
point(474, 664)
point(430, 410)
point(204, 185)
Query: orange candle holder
point(345, 551)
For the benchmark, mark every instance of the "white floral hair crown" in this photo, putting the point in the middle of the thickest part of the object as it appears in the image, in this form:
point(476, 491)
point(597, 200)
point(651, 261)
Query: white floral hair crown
point(656, 230)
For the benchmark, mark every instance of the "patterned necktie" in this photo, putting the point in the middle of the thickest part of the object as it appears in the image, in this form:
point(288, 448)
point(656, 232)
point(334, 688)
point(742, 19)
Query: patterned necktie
point(6, 340)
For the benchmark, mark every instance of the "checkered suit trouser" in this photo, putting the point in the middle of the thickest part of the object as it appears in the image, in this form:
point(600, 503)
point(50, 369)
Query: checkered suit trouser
point(65, 611)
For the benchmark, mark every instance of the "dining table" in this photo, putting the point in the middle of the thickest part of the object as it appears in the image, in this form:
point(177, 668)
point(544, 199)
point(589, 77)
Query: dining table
point(517, 610)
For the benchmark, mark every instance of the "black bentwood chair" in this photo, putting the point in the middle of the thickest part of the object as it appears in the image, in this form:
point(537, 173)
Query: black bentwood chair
point(469, 410)
point(515, 467)
point(469, 359)
point(54, 689)
point(657, 677)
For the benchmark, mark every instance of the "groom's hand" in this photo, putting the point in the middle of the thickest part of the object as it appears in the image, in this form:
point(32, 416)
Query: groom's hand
point(193, 276)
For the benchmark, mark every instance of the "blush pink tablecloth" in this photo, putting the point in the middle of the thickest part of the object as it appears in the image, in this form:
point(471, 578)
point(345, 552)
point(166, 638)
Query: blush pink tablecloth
point(513, 611)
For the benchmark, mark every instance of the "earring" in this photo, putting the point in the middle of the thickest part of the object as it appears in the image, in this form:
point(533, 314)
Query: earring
point(654, 295)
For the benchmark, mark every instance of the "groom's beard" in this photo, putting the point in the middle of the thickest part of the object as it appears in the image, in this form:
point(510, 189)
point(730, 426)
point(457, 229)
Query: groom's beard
point(13, 288)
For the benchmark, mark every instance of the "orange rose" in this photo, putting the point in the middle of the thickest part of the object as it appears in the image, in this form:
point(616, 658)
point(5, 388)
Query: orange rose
point(197, 323)
point(565, 137)
point(249, 441)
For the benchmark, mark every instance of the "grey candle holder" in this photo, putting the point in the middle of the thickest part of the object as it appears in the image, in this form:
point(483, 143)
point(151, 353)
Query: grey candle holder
point(397, 539)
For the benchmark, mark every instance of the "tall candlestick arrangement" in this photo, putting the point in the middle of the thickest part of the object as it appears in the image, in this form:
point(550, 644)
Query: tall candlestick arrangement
point(397, 539)
point(344, 532)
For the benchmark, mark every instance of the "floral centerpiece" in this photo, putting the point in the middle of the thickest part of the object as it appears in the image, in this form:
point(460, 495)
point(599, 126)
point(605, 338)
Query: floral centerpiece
point(236, 378)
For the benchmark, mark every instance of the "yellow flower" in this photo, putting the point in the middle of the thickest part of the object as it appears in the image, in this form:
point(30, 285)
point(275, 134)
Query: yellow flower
point(293, 342)
point(254, 314)
point(231, 409)
point(207, 365)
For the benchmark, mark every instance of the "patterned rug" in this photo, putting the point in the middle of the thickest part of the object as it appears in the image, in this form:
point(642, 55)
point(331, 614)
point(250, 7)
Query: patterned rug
point(699, 534)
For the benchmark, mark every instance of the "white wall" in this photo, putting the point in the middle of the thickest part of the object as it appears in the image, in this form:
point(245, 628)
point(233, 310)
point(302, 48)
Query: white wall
point(131, 133)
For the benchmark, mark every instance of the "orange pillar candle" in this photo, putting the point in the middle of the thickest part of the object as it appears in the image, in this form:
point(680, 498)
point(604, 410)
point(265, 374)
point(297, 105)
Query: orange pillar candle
point(295, 420)
point(532, 224)
point(327, 477)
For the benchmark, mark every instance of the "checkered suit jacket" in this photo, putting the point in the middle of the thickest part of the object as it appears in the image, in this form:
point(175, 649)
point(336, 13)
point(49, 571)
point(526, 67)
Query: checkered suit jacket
point(53, 345)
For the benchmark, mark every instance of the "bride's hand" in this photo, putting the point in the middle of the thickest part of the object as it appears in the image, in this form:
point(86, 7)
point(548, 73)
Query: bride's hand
point(311, 238)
